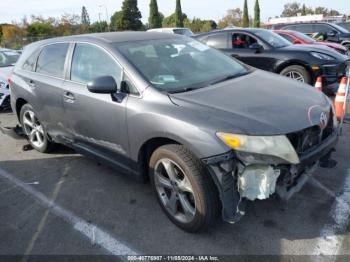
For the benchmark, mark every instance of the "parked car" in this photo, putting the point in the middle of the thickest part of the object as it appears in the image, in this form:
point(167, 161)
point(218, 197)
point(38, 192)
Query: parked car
point(299, 38)
point(8, 58)
point(266, 50)
point(175, 30)
point(331, 32)
point(202, 126)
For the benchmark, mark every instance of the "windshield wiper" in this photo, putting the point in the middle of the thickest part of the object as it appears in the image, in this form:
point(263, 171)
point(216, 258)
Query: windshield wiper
point(228, 77)
point(182, 90)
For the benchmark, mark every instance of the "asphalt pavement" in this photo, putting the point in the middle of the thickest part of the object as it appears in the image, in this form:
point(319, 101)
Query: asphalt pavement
point(66, 204)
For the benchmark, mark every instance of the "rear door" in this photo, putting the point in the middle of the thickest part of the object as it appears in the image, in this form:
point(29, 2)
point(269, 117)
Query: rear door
point(96, 122)
point(45, 84)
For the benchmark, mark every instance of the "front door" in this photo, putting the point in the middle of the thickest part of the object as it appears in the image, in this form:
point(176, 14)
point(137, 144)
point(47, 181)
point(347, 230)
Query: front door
point(97, 123)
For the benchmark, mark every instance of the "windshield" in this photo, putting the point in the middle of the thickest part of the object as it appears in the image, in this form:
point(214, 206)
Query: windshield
point(340, 28)
point(273, 39)
point(8, 58)
point(176, 65)
point(186, 32)
point(304, 37)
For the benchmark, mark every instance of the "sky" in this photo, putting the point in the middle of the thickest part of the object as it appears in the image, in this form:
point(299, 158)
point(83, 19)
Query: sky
point(14, 10)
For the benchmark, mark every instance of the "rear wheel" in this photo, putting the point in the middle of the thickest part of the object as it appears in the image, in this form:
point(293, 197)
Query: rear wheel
point(183, 188)
point(34, 130)
point(297, 73)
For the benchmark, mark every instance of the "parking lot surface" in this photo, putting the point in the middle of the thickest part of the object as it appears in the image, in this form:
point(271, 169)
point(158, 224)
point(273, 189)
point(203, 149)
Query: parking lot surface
point(64, 203)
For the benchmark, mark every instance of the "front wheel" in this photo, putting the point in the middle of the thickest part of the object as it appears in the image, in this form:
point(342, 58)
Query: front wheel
point(34, 130)
point(297, 73)
point(183, 188)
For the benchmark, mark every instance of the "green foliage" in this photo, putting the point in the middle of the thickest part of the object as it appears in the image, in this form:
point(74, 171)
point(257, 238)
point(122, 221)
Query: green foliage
point(98, 27)
point(85, 19)
point(179, 19)
point(295, 8)
point(170, 21)
point(303, 10)
point(130, 17)
point(245, 20)
point(155, 19)
point(116, 21)
point(200, 26)
point(39, 29)
point(256, 14)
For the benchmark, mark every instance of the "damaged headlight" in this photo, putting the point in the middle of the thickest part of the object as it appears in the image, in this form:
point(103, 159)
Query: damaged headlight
point(278, 146)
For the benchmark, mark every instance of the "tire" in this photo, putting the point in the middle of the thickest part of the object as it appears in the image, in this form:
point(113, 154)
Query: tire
point(297, 71)
point(35, 132)
point(196, 199)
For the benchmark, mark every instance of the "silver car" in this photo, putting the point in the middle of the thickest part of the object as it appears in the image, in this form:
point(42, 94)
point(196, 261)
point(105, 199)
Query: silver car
point(8, 58)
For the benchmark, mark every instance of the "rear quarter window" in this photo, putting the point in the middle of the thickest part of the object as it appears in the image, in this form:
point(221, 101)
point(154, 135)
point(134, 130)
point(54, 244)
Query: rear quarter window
point(52, 59)
point(29, 63)
point(218, 40)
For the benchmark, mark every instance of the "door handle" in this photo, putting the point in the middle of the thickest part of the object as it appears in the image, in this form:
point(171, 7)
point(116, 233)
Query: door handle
point(68, 96)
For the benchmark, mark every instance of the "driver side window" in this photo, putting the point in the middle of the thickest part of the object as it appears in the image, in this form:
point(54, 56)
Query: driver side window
point(90, 62)
point(242, 41)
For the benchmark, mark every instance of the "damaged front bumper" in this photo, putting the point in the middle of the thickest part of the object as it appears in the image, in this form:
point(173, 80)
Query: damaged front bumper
point(250, 177)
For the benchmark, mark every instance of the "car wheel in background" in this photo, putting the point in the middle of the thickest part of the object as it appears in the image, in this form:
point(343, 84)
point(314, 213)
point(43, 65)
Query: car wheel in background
point(183, 188)
point(34, 130)
point(297, 73)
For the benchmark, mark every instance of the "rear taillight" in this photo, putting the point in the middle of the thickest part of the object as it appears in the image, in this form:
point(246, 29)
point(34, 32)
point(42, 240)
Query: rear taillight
point(9, 79)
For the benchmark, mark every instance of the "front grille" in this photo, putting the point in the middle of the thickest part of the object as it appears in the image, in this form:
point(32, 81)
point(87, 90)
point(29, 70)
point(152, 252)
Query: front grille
point(310, 138)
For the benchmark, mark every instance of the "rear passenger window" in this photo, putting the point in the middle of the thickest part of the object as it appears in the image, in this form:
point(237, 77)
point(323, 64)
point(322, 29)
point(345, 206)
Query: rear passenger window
point(90, 61)
point(217, 40)
point(51, 60)
point(288, 38)
point(29, 64)
point(306, 29)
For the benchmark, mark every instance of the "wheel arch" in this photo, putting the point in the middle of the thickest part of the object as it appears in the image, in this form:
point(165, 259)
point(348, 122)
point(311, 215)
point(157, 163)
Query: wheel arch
point(20, 102)
point(281, 67)
point(146, 150)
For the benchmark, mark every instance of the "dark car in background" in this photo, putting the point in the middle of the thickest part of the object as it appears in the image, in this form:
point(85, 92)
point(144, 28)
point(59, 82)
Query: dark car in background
point(331, 32)
point(297, 38)
point(202, 126)
point(268, 51)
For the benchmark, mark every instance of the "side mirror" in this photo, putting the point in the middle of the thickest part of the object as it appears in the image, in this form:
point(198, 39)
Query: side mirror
point(296, 42)
point(257, 47)
point(102, 85)
point(332, 34)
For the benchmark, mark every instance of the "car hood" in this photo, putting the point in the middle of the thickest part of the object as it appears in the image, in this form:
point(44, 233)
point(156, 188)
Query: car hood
point(314, 48)
point(332, 45)
point(259, 103)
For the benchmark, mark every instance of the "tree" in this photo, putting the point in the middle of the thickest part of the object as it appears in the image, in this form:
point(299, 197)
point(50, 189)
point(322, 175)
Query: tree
point(116, 21)
point(233, 18)
point(291, 9)
point(170, 21)
point(303, 10)
point(256, 14)
point(154, 20)
point(85, 19)
point(98, 27)
point(245, 21)
point(179, 19)
point(130, 16)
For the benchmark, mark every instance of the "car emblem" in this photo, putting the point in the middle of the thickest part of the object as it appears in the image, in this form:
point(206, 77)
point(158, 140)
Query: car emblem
point(323, 120)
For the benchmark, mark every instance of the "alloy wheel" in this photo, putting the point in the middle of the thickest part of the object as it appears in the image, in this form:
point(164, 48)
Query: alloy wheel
point(33, 129)
point(175, 190)
point(296, 76)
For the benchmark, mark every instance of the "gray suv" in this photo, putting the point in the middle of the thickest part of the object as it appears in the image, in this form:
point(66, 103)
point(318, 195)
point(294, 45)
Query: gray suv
point(210, 132)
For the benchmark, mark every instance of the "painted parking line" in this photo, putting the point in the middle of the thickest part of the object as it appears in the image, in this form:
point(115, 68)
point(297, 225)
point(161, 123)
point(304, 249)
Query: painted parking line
point(92, 232)
point(331, 239)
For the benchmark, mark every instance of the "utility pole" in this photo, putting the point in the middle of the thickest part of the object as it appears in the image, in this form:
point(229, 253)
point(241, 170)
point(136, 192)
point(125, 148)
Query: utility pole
point(107, 16)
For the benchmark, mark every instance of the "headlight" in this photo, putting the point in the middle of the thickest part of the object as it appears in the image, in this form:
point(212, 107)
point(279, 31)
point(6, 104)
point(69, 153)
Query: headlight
point(322, 56)
point(278, 146)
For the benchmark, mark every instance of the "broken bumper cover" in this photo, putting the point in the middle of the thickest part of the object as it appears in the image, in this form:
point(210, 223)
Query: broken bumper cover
point(239, 180)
